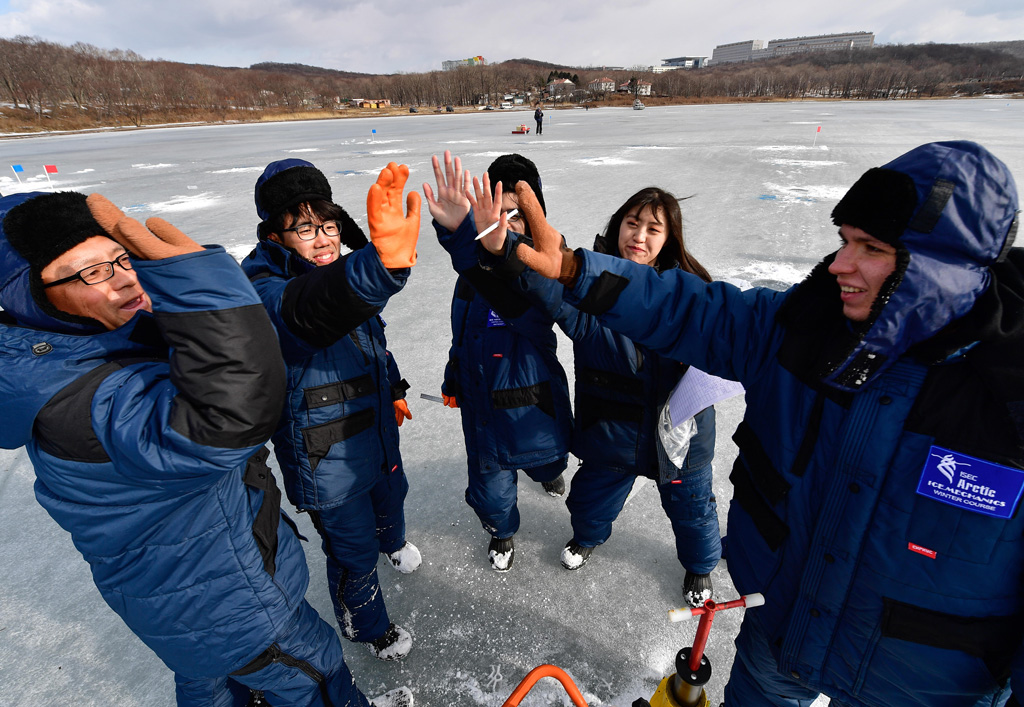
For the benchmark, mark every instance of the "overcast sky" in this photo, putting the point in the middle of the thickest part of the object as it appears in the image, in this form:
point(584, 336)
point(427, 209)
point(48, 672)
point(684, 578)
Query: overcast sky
point(387, 36)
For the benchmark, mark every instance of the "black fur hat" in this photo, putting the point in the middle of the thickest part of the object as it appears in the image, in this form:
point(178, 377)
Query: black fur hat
point(880, 203)
point(512, 168)
point(46, 227)
point(289, 187)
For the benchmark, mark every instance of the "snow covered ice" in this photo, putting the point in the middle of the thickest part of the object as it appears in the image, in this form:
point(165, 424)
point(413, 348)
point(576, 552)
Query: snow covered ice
point(762, 191)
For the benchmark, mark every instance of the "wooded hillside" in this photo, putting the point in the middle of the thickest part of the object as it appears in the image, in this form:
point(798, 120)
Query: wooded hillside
point(47, 86)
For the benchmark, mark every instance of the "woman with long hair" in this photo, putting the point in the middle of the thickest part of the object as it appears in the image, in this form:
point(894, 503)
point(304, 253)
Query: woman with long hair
point(621, 388)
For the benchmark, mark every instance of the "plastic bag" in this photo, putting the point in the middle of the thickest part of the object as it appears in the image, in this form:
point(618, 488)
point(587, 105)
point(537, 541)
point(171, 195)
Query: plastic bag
point(675, 439)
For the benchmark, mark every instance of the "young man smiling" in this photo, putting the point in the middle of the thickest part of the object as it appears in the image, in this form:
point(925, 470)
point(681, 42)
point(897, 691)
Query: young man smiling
point(882, 393)
point(337, 442)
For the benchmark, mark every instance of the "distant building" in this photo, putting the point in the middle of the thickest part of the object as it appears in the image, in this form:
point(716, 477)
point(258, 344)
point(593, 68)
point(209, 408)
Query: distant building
point(370, 102)
point(602, 85)
point(643, 88)
point(754, 49)
point(561, 87)
point(682, 62)
point(456, 63)
point(737, 51)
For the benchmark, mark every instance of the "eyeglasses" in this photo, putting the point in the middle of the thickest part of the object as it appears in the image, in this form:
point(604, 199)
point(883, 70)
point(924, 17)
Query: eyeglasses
point(309, 231)
point(515, 221)
point(95, 274)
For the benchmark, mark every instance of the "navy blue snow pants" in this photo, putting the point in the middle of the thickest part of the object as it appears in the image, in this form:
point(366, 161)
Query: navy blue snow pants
point(353, 535)
point(597, 495)
point(492, 492)
point(304, 667)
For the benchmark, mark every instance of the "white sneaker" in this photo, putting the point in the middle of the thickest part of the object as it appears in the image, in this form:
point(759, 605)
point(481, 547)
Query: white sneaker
point(399, 697)
point(393, 645)
point(575, 556)
point(406, 559)
point(501, 553)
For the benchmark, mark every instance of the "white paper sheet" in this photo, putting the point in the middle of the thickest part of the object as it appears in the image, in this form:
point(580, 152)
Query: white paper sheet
point(697, 390)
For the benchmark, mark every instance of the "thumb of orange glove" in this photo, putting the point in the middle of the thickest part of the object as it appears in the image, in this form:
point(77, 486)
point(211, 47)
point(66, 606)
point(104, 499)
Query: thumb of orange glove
point(449, 401)
point(549, 257)
point(393, 235)
point(402, 412)
point(162, 240)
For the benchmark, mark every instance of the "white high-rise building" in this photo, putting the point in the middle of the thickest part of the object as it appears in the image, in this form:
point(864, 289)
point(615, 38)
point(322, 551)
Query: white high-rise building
point(759, 49)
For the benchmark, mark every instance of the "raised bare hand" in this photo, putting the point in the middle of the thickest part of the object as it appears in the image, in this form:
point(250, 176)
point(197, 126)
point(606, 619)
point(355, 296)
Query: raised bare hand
point(450, 205)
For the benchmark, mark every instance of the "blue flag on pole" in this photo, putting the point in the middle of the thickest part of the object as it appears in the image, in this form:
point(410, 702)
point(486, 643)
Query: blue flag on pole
point(17, 168)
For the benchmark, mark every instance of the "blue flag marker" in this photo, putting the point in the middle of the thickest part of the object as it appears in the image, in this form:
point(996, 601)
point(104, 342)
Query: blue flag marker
point(18, 169)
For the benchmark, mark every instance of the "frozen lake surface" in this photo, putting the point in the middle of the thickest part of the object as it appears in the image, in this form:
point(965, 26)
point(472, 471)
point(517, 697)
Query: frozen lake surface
point(763, 182)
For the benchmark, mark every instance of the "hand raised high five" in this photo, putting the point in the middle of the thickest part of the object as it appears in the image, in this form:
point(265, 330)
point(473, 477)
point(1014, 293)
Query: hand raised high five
point(450, 206)
point(393, 234)
point(549, 256)
point(162, 240)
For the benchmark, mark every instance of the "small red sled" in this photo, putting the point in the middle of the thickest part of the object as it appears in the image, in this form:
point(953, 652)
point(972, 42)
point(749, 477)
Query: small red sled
point(521, 130)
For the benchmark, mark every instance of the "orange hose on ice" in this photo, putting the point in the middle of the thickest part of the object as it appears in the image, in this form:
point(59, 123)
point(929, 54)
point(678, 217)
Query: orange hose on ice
point(545, 671)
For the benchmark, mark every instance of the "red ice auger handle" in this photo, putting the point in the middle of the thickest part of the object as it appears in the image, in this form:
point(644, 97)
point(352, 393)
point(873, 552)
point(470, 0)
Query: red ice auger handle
point(707, 615)
point(545, 671)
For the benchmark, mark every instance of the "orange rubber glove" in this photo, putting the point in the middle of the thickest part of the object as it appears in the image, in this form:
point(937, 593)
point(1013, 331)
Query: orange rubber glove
point(393, 235)
point(402, 412)
point(449, 401)
point(549, 256)
point(162, 240)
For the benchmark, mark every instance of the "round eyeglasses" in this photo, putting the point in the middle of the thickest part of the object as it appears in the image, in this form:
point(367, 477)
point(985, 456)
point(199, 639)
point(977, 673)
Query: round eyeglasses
point(309, 231)
point(95, 274)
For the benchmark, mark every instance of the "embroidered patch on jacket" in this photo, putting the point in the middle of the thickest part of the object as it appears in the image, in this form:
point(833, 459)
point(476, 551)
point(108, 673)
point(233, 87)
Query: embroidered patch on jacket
point(493, 319)
point(972, 484)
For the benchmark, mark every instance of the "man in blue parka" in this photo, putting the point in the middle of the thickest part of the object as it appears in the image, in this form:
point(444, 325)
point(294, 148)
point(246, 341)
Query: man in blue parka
point(337, 442)
point(503, 371)
point(146, 433)
point(877, 491)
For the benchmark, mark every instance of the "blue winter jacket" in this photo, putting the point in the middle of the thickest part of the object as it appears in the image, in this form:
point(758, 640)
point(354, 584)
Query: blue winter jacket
point(889, 577)
point(147, 447)
point(621, 386)
point(502, 366)
point(338, 434)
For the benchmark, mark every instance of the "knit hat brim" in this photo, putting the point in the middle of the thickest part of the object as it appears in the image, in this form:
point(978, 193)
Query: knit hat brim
point(44, 228)
point(880, 203)
point(291, 187)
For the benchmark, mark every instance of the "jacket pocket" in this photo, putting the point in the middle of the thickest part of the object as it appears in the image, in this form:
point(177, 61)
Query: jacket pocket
point(538, 394)
point(954, 532)
point(338, 392)
point(953, 660)
point(319, 438)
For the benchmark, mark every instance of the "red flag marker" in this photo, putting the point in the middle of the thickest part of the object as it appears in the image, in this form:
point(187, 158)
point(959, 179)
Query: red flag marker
point(52, 168)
